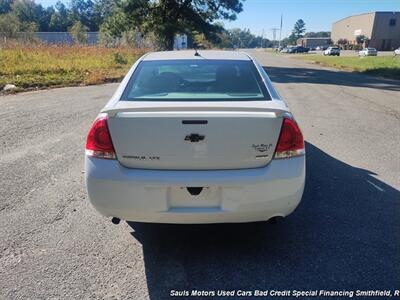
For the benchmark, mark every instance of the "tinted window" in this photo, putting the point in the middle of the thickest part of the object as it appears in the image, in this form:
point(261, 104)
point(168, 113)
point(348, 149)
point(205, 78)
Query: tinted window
point(196, 80)
point(392, 22)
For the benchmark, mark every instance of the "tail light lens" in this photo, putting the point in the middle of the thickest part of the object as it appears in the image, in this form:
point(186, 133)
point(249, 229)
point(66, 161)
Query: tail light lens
point(98, 142)
point(291, 142)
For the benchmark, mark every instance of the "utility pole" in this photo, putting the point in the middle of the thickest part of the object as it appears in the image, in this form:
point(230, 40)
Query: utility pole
point(280, 32)
point(274, 30)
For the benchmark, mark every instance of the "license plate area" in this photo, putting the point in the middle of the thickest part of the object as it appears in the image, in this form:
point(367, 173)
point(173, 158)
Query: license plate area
point(180, 197)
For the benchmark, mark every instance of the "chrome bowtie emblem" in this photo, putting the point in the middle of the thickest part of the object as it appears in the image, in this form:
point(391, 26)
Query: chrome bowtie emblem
point(194, 138)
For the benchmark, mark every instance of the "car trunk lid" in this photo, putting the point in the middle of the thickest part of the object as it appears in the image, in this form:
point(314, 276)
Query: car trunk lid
point(195, 138)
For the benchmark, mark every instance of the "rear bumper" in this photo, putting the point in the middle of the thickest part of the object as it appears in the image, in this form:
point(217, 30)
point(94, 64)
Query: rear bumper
point(161, 196)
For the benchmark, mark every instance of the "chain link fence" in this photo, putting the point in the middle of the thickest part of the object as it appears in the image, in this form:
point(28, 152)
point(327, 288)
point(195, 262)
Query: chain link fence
point(134, 39)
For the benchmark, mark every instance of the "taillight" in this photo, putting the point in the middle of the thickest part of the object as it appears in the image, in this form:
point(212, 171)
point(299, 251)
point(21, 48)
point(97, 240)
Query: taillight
point(291, 142)
point(98, 142)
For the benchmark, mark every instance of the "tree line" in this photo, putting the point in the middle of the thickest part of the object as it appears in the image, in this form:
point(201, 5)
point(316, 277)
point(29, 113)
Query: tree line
point(27, 15)
point(121, 21)
point(299, 31)
point(126, 21)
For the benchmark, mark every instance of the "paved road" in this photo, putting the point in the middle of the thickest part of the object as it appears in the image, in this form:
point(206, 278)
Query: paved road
point(344, 235)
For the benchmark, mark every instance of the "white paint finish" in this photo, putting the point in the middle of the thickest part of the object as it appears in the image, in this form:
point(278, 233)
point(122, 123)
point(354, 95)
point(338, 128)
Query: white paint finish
point(276, 106)
point(180, 198)
point(149, 139)
point(203, 54)
point(230, 140)
point(186, 114)
point(243, 195)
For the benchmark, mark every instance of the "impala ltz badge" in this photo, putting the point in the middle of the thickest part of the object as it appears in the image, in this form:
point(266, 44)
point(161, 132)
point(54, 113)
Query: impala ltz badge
point(261, 147)
point(194, 138)
point(142, 157)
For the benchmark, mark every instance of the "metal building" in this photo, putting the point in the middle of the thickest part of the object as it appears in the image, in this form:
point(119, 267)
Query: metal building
point(314, 42)
point(382, 30)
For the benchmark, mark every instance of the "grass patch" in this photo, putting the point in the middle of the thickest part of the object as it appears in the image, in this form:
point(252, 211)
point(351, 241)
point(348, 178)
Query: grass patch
point(271, 50)
point(42, 66)
point(386, 66)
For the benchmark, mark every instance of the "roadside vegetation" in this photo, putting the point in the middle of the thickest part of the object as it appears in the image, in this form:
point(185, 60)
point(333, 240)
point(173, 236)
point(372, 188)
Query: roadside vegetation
point(385, 66)
point(130, 22)
point(41, 66)
point(125, 29)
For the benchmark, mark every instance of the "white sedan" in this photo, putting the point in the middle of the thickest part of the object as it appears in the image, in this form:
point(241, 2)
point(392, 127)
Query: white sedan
point(368, 52)
point(194, 137)
point(332, 51)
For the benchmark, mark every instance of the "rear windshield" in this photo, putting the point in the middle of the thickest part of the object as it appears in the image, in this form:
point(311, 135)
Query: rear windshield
point(195, 80)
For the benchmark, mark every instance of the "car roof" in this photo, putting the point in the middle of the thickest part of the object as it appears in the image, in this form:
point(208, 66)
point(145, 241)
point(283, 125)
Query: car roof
point(190, 54)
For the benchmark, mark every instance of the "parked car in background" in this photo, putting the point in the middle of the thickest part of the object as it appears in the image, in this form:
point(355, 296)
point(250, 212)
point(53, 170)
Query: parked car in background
point(195, 137)
point(286, 49)
point(368, 52)
point(332, 51)
point(299, 49)
point(397, 51)
point(321, 48)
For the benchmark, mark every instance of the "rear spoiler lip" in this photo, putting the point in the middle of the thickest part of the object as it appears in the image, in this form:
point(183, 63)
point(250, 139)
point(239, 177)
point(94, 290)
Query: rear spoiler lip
point(278, 107)
point(113, 112)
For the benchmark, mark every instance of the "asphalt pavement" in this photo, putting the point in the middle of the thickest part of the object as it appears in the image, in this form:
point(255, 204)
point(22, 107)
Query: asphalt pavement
point(345, 235)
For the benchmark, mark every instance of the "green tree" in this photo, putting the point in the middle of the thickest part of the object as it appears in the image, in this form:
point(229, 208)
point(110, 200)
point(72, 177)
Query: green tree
point(241, 38)
point(5, 6)
point(360, 39)
point(166, 18)
point(82, 11)
point(233, 38)
point(224, 40)
point(116, 24)
point(32, 15)
point(102, 9)
point(319, 34)
point(90, 13)
point(59, 20)
point(298, 30)
point(9, 25)
point(44, 18)
point(26, 10)
point(200, 41)
point(79, 32)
